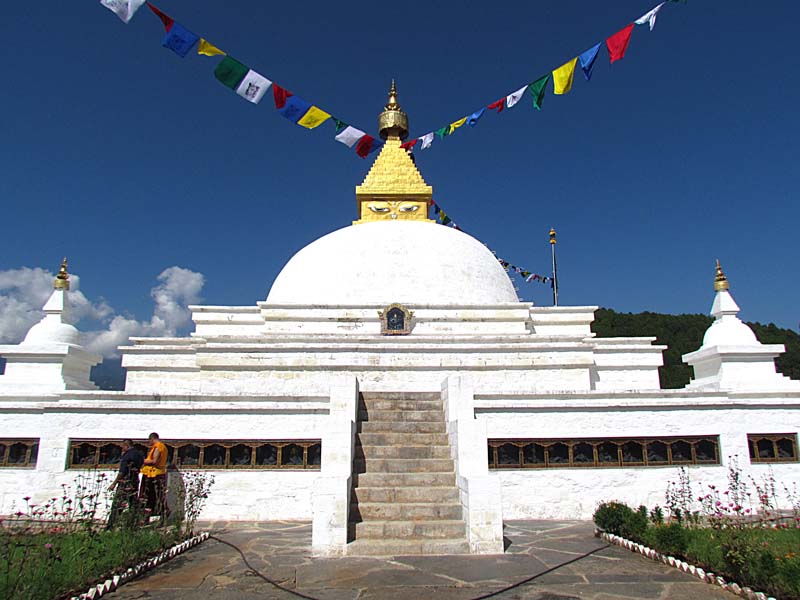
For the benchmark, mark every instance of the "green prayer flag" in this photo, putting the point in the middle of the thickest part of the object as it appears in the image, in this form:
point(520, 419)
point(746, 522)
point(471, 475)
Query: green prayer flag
point(446, 220)
point(443, 131)
point(230, 72)
point(537, 91)
point(340, 125)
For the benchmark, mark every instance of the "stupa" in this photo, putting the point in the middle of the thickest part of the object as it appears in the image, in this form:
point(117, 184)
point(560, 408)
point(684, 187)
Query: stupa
point(403, 399)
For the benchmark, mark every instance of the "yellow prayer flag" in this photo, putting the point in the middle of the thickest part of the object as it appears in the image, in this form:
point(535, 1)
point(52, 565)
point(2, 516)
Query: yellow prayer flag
point(562, 77)
point(456, 124)
point(208, 48)
point(313, 118)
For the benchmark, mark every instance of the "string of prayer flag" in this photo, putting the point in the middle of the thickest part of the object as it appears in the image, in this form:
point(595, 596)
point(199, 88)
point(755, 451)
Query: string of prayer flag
point(616, 44)
point(528, 276)
point(252, 86)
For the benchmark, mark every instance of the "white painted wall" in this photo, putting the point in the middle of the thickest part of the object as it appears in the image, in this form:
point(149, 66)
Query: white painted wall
point(574, 493)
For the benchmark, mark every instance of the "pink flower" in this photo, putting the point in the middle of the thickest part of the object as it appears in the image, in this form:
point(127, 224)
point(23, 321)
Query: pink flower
point(48, 546)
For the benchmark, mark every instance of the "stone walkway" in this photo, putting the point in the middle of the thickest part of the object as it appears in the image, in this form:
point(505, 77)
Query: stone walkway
point(281, 551)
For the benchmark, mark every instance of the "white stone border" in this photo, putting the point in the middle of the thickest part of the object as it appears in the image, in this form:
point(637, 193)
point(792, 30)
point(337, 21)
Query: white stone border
point(711, 578)
point(109, 585)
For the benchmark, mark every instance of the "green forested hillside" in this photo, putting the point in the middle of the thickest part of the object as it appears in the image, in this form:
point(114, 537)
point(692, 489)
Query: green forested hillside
point(684, 333)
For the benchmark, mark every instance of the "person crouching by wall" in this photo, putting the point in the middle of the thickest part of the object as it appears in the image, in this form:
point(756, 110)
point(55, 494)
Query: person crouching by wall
point(126, 485)
point(153, 493)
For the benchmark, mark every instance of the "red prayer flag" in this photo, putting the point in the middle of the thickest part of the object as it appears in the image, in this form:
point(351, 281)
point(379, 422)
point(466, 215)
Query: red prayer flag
point(410, 145)
point(165, 19)
point(498, 106)
point(280, 95)
point(618, 43)
point(364, 145)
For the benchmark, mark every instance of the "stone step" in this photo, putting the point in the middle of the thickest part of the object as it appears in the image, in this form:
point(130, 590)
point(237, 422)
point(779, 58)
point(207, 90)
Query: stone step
point(370, 480)
point(409, 494)
point(403, 465)
point(429, 396)
point(404, 511)
point(400, 405)
point(402, 451)
point(413, 530)
point(400, 427)
point(401, 415)
point(395, 547)
point(388, 438)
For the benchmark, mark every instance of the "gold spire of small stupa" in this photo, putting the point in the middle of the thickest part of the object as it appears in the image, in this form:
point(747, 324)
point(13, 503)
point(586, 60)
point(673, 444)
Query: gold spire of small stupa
point(393, 122)
point(720, 281)
point(62, 279)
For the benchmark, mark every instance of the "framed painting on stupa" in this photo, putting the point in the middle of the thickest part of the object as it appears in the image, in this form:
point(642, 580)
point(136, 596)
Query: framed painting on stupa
point(395, 320)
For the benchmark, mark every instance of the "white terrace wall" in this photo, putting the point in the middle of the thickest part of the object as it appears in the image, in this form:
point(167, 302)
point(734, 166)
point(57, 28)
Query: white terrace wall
point(258, 494)
point(574, 493)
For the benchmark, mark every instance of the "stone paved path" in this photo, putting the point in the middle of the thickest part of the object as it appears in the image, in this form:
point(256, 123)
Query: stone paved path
point(281, 551)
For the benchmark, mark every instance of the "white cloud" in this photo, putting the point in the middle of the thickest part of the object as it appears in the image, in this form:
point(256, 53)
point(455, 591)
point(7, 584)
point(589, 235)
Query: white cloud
point(24, 291)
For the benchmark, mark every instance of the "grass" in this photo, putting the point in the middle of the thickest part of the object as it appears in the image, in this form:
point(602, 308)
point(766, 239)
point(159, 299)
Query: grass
point(47, 565)
point(767, 560)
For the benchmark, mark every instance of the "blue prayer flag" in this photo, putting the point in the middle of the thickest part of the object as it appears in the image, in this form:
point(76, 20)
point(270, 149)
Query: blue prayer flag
point(587, 61)
point(179, 39)
point(295, 108)
point(473, 118)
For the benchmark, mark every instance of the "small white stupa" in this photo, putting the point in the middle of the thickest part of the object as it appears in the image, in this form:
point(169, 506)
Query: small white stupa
point(50, 358)
point(731, 358)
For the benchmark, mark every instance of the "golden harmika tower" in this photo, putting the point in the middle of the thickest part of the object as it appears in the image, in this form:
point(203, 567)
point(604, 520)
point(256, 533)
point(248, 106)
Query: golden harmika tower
point(393, 189)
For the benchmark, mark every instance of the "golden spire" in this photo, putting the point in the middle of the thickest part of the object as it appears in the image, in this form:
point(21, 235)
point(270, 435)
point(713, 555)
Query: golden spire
point(394, 189)
point(720, 281)
point(552, 236)
point(62, 279)
point(393, 122)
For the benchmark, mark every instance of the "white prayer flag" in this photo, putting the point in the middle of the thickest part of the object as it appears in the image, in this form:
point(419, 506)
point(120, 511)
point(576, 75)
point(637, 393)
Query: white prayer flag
point(253, 87)
point(650, 16)
point(512, 99)
point(426, 140)
point(124, 9)
point(349, 136)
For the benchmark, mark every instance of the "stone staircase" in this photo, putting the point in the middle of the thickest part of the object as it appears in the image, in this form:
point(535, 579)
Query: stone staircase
point(405, 499)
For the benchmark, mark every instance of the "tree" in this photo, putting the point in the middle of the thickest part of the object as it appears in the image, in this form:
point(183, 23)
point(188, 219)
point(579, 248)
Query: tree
point(684, 333)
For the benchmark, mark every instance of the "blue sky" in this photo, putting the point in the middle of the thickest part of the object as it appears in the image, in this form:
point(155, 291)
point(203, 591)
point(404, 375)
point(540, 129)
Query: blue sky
point(128, 159)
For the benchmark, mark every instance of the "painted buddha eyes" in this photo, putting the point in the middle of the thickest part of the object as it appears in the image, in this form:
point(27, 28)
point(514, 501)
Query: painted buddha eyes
point(393, 208)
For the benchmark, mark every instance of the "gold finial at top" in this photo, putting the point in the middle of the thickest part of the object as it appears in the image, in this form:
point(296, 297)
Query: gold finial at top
point(392, 104)
point(393, 122)
point(720, 281)
point(552, 236)
point(62, 279)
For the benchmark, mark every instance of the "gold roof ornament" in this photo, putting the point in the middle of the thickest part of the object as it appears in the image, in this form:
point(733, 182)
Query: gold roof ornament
point(393, 122)
point(62, 278)
point(720, 281)
point(552, 236)
point(393, 188)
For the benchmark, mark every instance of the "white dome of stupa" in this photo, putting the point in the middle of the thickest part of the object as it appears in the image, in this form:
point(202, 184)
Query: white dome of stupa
point(51, 330)
point(412, 262)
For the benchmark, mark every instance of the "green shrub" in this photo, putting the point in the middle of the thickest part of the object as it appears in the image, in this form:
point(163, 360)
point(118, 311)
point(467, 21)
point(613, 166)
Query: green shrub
point(634, 526)
point(611, 516)
point(669, 539)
